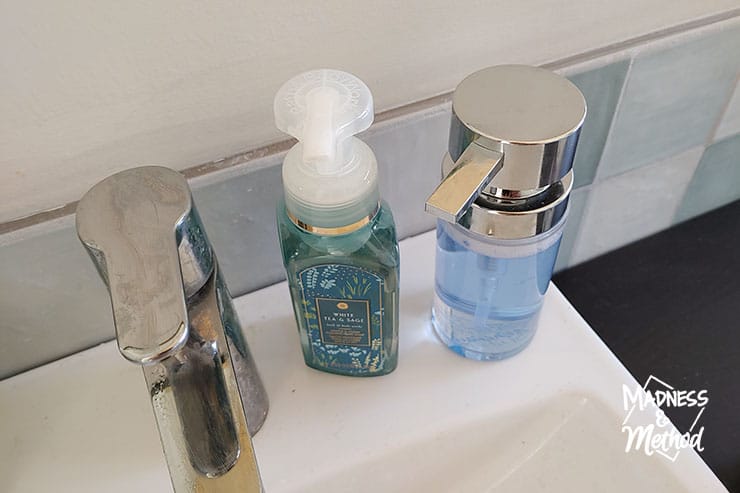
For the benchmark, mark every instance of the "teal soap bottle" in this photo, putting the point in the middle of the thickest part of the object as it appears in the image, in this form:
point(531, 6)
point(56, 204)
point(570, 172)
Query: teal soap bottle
point(337, 237)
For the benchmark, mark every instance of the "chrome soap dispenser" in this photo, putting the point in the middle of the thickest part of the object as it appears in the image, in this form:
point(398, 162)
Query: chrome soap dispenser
point(502, 206)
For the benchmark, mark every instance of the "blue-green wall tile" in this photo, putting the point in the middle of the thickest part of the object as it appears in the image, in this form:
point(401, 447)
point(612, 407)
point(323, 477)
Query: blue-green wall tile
point(601, 88)
point(577, 205)
point(238, 212)
point(622, 209)
point(730, 123)
point(716, 181)
point(672, 100)
point(410, 151)
point(51, 299)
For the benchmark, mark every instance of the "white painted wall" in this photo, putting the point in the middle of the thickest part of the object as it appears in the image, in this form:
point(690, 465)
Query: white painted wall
point(89, 87)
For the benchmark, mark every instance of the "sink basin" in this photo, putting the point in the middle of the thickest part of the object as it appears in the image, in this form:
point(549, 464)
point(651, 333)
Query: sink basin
point(546, 420)
point(570, 443)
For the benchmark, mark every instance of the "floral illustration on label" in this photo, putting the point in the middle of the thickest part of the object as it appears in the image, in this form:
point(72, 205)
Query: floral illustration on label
point(342, 307)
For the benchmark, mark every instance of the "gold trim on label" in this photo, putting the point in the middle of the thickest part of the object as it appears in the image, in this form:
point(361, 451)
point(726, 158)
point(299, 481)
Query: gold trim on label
point(341, 230)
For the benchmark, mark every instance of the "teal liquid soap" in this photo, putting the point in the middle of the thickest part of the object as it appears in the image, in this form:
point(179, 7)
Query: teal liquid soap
point(344, 290)
point(486, 307)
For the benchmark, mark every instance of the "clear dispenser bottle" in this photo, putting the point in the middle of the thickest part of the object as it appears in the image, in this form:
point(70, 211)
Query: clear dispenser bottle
point(502, 206)
point(337, 236)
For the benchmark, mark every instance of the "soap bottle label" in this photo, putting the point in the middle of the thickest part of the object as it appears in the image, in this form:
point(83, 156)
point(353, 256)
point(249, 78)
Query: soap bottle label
point(342, 308)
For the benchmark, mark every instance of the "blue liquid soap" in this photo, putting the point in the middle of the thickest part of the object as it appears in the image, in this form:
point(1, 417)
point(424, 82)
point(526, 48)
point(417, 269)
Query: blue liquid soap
point(488, 293)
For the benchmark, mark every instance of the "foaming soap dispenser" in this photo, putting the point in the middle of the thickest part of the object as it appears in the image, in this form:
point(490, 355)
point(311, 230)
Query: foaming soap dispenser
point(337, 237)
point(502, 205)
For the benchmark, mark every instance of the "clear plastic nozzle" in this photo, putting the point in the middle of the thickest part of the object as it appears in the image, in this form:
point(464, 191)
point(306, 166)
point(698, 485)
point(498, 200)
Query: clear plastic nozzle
point(322, 109)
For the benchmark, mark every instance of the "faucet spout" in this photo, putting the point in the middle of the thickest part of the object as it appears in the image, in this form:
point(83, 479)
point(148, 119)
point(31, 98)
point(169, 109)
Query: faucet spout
point(198, 407)
point(174, 316)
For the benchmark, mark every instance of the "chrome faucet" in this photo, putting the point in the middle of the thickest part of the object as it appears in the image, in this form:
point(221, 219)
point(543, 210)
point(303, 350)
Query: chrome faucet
point(174, 316)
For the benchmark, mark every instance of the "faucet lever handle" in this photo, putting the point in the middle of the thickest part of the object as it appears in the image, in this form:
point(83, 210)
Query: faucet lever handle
point(473, 171)
point(128, 223)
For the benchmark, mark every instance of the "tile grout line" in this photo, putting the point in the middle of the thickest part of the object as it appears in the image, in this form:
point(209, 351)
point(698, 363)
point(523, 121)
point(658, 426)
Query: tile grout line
point(641, 169)
point(712, 137)
point(200, 170)
point(599, 175)
point(685, 186)
point(577, 245)
point(403, 110)
point(38, 218)
point(587, 190)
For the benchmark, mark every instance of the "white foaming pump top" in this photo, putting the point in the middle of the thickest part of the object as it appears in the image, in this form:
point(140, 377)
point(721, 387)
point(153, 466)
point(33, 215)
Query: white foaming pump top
point(330, 177)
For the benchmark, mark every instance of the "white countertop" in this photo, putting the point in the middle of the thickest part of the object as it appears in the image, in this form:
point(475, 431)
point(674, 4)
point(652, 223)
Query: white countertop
point(85, 424)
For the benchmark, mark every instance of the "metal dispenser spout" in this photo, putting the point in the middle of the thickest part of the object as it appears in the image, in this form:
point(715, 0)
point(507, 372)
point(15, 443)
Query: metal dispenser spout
point(513, 136)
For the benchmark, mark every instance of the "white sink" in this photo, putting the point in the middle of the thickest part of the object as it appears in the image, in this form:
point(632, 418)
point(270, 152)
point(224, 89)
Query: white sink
point(570, 443)
point(546, 420)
